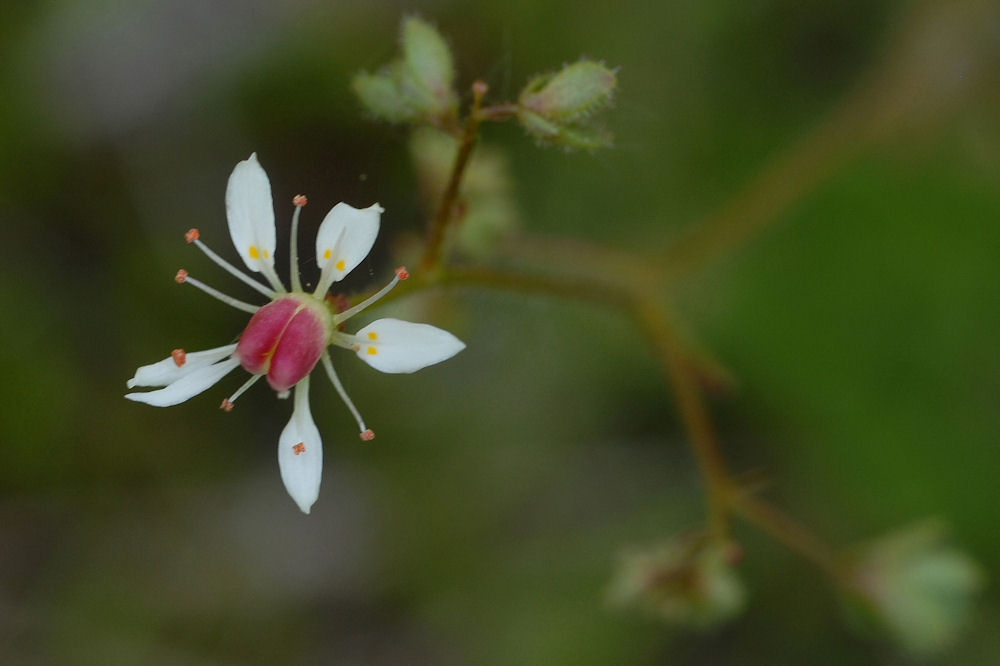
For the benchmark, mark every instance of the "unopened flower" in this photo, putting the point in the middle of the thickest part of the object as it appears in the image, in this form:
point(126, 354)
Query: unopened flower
point(915, 586)
point(688, 581)
point(287, 337)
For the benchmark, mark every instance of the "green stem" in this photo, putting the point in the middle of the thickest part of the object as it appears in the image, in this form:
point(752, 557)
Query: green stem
point(445, 213)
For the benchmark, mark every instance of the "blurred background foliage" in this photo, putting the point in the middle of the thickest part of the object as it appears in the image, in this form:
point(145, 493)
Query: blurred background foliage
point(482, 525)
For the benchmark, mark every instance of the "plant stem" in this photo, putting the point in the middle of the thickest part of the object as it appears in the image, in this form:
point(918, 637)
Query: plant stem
point(445, 212)
point(677, 362)
point(786, 530)
point(656, 324)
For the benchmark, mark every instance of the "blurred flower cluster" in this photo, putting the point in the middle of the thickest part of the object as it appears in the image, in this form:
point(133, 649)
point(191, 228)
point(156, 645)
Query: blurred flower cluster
point(688, 581)
point(914, 586)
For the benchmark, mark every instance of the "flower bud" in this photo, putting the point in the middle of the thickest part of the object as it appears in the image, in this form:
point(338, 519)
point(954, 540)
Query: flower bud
point(429, 59)
point(381, 95)
point(572, 93)
point(418, 87)
point(555, 108)
point(914, 587)
point(687, 581)
point(284, 340)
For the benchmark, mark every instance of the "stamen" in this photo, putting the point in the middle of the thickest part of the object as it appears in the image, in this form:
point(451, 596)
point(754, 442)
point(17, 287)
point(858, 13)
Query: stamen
point(293, 248)
point(226, 406)
point(343, 395)
point(183, 277)
point(179, 357)
point(299, 448)
point(367, 435)
point(401, 274)
point(191, 235)
point(232, 270)
point(241, 390)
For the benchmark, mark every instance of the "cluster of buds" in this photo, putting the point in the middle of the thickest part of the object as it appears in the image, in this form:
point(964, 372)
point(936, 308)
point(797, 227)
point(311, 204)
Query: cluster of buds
point(688, 581)
point(558, 108)
point(913, 586)
point(418, 87)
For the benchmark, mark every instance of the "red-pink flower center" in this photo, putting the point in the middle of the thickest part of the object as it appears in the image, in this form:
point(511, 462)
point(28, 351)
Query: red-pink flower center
point(284, 339)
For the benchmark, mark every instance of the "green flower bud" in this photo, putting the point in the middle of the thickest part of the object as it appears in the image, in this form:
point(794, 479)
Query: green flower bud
point(416, 88)
point(914, 587)
point(688, 581)
point(429, 60)
point(576, 91)
point(570, 136)
point(555, 108)
point(383, 96)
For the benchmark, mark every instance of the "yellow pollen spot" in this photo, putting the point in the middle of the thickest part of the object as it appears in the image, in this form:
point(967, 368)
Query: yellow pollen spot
point(340, 265)
point(372, 351)
point(326, 255)
point(254, 252)
point(372, 335)
point(267, 255)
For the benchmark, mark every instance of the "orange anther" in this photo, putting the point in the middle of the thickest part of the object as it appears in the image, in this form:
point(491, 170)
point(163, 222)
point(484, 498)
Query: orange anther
point(192, 235)
point(299, 448)
point(226, 406)
point(179, 357)
point(367, 435)
point(299, 200)
point(181, 276)
point(402, 273)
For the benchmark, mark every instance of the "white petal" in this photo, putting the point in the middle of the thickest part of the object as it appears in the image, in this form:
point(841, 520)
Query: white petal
point(186, 386)
point(251, 213)
point(167, 371)
point(393, 345)
point(345, 238)
point(300, 452)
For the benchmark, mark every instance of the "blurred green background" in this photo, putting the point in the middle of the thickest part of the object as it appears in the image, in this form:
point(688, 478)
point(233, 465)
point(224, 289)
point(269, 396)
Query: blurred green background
point(482, 525)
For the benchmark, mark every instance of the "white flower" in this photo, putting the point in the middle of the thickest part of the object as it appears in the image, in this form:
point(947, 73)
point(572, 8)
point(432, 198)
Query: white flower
point(285, 338)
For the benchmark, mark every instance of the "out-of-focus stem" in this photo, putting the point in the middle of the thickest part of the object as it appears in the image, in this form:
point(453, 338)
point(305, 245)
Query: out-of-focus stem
point(655, 323)
point(445, 211)
point(786, 530)
point(914, 85)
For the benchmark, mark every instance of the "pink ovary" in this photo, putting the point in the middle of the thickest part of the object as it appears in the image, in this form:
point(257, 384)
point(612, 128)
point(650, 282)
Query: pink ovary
point(284, 339)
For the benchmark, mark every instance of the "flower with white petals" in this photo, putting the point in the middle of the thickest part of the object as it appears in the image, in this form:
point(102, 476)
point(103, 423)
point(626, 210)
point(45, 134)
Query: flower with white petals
point(288, 336)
